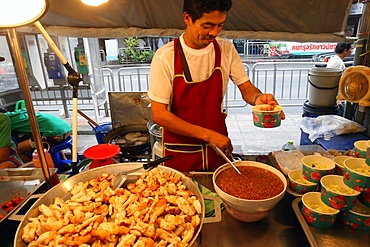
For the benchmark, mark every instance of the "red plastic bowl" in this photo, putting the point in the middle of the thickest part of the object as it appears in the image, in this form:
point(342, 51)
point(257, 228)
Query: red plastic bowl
point(102, 151)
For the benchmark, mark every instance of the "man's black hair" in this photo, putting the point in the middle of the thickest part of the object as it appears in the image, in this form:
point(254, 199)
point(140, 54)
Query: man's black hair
point(196, 8)
point(339, 49)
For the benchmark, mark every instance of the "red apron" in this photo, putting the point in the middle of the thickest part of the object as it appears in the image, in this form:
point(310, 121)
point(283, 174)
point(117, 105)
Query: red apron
point(200, 104)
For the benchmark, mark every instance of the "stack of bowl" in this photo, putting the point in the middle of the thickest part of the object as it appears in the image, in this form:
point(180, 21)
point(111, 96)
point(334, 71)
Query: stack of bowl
point(337, 197)
point(320, 209)
point(357, 176)
point(315, 211)
point(345, 195)
point(306, 180)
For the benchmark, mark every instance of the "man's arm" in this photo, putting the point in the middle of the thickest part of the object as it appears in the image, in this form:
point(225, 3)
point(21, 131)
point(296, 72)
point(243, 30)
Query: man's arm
point(163, 117)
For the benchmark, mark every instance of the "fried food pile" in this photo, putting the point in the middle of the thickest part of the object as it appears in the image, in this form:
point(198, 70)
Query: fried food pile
point(158, 210)
point(267, 108)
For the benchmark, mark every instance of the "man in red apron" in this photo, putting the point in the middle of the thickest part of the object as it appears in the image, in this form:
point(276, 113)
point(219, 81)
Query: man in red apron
point(188, 80)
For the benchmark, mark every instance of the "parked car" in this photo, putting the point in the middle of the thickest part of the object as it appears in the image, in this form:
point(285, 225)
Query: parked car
point(322, 58)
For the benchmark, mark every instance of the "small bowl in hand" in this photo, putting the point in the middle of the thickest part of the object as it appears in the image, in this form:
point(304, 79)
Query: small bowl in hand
point(267, 116)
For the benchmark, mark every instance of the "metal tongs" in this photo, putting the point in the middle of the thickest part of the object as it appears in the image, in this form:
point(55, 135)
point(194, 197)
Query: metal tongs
point(226, 158)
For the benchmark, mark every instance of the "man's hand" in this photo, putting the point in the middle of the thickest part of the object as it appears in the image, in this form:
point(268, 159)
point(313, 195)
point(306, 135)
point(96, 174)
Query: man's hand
point(269, 99)
point(221, 141)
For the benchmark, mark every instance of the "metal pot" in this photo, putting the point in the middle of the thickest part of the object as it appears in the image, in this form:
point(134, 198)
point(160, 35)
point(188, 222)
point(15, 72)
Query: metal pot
point(123, 130)
point(62, 190)
point(155, 130)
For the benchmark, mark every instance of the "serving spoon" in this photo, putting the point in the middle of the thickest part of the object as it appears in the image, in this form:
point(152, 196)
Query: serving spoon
point(121, 177)
point(226, 158)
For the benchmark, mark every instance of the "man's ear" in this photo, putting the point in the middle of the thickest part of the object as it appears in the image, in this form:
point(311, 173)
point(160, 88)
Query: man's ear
point(187, 19)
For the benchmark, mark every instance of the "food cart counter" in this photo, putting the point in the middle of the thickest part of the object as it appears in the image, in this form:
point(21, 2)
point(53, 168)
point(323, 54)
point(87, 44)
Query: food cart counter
point(279, 228)
point(284, 226)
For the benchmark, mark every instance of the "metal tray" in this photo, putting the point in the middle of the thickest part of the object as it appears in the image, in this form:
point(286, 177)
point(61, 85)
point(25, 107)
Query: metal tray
point(15, 182)
point(338, 235)
point(63, 190)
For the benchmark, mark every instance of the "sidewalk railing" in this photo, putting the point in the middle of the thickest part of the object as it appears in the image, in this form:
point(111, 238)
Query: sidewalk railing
point(287, 81)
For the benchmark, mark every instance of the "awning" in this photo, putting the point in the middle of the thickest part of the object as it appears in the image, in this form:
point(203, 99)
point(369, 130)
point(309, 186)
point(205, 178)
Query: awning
point(289, 20)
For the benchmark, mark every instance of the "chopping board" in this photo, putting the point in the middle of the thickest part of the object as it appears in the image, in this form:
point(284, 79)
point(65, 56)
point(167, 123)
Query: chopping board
point(20, 182)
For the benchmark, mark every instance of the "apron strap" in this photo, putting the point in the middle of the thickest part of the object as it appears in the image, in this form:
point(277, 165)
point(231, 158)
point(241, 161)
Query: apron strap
point(184, 63)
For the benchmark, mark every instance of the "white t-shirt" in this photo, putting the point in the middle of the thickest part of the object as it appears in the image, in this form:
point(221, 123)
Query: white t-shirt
point(201, 63)
point(336, 62)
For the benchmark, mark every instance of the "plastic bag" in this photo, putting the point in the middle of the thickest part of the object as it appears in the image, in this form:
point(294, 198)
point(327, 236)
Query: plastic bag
point(327, 126)
point(288, 160)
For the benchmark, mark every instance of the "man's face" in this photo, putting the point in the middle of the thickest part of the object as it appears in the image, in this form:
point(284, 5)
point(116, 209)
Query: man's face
point(203, 31)
point(347, 53)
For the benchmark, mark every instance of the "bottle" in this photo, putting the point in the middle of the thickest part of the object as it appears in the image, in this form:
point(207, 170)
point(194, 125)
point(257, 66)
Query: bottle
point(289, 146)
point(36, 159)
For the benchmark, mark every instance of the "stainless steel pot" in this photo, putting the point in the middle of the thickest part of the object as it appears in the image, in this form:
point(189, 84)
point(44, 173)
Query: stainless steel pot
point(62, 190)
point(155, 130)
point(123, 130)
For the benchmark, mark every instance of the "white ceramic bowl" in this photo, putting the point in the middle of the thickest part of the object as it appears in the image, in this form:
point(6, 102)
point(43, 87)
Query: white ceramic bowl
point(249, 210)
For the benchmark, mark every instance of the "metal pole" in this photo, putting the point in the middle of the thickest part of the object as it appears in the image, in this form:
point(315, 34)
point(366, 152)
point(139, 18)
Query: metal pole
point(14, 44)
point(361, 49)
point(73, 79)
point(363, 36)
point(64, 101)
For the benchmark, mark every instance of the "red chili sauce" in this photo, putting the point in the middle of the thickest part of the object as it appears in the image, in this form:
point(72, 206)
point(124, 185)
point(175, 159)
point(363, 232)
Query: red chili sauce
point(253, 184)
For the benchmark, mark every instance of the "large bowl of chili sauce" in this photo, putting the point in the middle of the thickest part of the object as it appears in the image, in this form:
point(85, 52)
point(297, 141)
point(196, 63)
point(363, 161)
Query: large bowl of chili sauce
point(250, 196)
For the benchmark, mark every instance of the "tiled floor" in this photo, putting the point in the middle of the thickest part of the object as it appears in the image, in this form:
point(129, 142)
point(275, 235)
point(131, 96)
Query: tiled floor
point(246, 138)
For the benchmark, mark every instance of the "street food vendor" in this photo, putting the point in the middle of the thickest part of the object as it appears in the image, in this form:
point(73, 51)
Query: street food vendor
point(188, 81)
point(8, 153)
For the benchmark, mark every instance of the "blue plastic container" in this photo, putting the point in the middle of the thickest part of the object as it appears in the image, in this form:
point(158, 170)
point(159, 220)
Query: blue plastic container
point(101, 130)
